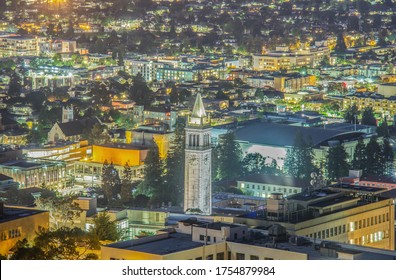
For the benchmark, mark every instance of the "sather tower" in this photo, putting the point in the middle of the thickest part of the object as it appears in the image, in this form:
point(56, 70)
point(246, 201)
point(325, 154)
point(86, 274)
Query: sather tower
point(198, 170)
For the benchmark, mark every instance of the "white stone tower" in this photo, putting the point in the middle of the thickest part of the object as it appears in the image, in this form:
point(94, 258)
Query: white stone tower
point(67, 114)
point(198, 170)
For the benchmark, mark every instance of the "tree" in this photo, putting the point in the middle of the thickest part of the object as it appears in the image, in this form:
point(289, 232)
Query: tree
point(340, 46)
point(375, 162)
point(61, 244)
point(151, 186)
point(174, 166)
point(368, 117)
point(62, 210)
point(299, 158)
point(127, 185)
point(111, 182)
point(387, 156)
point(15, 85)
point(383, 129)
point(140, 92)
point(104, 229)
point(351, 113)
point(359, 156)
point(230, 155)
point(253, 163)
point(97, 135)
point(336, 162)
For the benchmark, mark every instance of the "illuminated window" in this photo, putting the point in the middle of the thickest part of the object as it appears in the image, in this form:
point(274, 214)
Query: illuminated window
point(351, 226)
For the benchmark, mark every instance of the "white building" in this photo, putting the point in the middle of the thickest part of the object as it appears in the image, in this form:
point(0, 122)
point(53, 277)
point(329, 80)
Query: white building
point(198, 179)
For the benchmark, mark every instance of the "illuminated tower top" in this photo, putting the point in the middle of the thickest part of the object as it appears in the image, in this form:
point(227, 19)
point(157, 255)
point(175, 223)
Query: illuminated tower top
point(198, 117)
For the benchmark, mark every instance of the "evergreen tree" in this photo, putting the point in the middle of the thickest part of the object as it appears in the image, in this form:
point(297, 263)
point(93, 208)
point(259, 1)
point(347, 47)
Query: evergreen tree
point(140, 92)
point(340, 46)
point(299, 159)
point(230, 154)
point(253, 163)
point(375, 164)
point(152, 185)
point(351, 113)
point(111, 182)
point(15, 85)
point(387, 156)
point(383, 129)
point(174, 166)
point(336, 161)
point(126, 184)
point(368, 117)
point(360, 156)
point(105, 229)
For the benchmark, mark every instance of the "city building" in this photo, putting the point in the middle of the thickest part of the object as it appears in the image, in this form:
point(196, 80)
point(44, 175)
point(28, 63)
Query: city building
point(385, 106)
point(202, 240)
point(155, 115)
point(272, 140)
point(198, 151)
point(342, 213)
point(36, 173)
point(291, 82)
point(72, 130)
point(150, 135)
point(263, 185)
point(13, 45)
point(18, 223)
point(283, 58)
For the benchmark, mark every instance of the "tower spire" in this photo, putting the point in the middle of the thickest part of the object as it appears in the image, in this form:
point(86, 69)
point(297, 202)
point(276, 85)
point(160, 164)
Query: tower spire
point(199, 110)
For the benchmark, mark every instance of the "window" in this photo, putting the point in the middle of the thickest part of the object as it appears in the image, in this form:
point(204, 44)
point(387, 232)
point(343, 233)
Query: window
point(268, 259)
point(360, 224)
point(372, 221)
point(229, 255)
point(202, 237)
point(208, 238)
point(220, 256)
point(253, 257)
point(240, 256)
point(379, 219)
point(199, 258)
point(343, 228)
point(209, 257)
point(327, 233)
point(235, 236)
point(214, 239)
point(364, 223)
point(315, 235)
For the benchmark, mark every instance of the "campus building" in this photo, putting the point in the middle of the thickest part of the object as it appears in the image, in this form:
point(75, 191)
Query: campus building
point(18, 223)
point(283, 58)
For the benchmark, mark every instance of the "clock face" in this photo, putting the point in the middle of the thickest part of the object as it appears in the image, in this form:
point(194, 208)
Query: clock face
point(206, 160)
point(193, 159)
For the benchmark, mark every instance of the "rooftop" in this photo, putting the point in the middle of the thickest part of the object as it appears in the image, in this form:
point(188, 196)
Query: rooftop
point(219, 225)
point(172, 243)
point(275, 180)
point(14, 213)
point(272, 134)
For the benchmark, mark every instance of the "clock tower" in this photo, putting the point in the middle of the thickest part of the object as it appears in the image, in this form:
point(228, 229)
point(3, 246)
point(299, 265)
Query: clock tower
point(198, 170)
